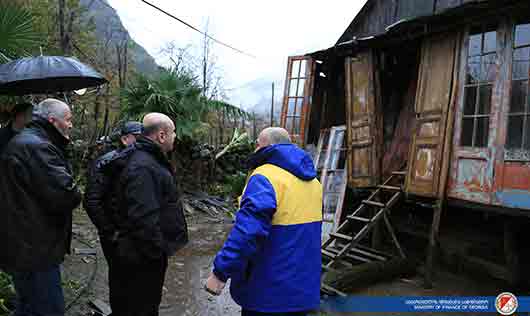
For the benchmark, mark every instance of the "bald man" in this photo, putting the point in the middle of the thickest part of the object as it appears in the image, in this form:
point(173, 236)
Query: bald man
point(272, 255)
point(150, 222)
point(38, 195)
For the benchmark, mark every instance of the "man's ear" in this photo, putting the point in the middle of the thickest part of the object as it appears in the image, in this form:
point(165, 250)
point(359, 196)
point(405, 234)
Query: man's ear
point(162, 136)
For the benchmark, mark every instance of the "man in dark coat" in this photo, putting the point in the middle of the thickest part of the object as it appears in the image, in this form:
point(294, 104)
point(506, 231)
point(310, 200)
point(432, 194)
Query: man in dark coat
point(151, 223)
point(39, 194)
point(100, 200)
point(20, 116)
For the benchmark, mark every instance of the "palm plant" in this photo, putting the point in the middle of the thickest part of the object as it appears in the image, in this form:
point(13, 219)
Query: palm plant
point(17, 36)
point(175, 94)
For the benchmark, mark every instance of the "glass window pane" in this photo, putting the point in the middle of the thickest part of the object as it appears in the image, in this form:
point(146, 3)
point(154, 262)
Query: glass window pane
point(467, 132)
point(490, 42)
point(296, 127)
point(470, 100)
point(482, 132)
point(289, 124)
point(489, 68)
point(519, 95)
point(522, 35)
point(301, 87)
point(521, 63)
point(292, 87)
point(514, 138)
point(295, 69)
point(299, 106)
point(484, 99)
point(473, 69)
point(303, 68)
point(291, 106)
point(475, 44)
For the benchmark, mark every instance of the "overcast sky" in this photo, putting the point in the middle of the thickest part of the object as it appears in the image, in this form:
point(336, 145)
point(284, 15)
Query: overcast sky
point(270, 30)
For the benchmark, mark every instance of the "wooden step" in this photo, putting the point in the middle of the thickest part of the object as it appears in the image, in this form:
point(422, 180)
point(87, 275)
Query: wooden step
point(368, 253)
point(377, 252)
point(373, 203)
point(351, 254)
point(389, 187)
point(361, 219)
point(330, 290)
point(399, 173)
point(328, 269)
point(363, 250)
point(341, 236)
point(328, 254)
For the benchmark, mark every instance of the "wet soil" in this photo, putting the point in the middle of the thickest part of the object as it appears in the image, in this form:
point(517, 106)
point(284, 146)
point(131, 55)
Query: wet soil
point(85, 276)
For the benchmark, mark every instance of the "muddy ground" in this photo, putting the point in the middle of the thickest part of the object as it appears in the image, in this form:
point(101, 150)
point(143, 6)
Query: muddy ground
point(85, 276)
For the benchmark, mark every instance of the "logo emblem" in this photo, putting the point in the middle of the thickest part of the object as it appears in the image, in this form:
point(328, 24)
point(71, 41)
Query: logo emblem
point(506, 303)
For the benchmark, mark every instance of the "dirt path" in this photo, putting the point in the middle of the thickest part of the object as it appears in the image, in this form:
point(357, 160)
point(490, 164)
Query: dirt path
point(188, 270)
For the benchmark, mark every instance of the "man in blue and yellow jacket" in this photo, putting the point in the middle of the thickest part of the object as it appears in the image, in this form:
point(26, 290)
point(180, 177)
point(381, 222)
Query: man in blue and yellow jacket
point(272, 255)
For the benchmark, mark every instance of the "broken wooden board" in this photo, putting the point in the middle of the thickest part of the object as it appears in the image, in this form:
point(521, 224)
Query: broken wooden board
point(363, 275)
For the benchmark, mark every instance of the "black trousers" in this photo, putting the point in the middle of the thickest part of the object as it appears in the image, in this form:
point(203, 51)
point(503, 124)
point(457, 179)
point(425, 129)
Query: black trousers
point(135, 289)
point(252, 313)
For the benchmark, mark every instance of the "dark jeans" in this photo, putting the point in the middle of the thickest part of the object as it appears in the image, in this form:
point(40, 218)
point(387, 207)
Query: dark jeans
point(251, 313)
point(136, 289)
point(39, 293)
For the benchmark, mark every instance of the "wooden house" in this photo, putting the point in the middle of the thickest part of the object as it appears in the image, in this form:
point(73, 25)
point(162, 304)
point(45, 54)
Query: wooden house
point(436, 89)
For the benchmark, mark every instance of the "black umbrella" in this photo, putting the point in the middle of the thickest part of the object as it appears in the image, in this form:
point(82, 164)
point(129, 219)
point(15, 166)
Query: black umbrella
point(46, 74)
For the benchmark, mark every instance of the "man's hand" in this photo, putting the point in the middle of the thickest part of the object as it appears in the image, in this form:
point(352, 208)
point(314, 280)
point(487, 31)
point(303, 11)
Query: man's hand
point(214, 285)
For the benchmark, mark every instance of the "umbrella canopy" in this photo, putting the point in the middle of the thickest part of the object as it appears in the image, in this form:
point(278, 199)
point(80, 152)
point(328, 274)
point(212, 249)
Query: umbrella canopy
point(46, 74)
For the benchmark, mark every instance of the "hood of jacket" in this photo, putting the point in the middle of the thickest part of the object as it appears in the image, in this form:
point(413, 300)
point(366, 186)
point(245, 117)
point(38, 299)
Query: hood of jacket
point(286, 156)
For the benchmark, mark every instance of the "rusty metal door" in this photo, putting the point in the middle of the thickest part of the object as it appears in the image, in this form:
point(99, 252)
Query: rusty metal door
point(297, 97)
point(361, 119)
point(433, 98)
point(476, 120)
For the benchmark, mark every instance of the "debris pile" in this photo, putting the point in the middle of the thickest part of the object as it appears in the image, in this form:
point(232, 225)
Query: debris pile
point(212, 206)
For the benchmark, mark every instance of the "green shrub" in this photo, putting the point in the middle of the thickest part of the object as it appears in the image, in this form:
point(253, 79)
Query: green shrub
point(7, 293)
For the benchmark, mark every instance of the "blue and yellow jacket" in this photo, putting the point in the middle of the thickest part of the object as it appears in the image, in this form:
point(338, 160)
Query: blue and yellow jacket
point(272, 255)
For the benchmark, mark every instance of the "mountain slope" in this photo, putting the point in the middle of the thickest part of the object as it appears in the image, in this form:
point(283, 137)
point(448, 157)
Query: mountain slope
point(109, 26)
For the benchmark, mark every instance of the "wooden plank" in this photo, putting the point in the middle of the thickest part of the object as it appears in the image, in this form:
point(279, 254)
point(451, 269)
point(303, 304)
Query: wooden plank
point(364, 275)
point(389, 188)
point(433, 242)
point(341, 236)
point(332, 290)
point(373, 203)
point(328, 254)
point(393, 235)
point(369, 254)
point(358, 218)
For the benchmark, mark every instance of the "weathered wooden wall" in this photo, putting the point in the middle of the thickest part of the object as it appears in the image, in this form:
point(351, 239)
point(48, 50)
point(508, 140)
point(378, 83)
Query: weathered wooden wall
point(376, 15)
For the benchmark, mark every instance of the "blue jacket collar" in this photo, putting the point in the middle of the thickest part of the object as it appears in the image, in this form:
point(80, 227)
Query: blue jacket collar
point(286, 156)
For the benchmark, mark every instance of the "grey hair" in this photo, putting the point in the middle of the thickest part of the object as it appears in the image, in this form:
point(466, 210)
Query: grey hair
point(276, 135)
point(51, 108)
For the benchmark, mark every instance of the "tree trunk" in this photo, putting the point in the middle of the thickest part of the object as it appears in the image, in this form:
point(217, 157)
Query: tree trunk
point(62, 5)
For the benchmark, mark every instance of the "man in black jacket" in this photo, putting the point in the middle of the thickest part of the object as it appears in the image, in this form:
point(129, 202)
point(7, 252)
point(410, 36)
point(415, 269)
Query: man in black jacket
point(151, 223)
point(38, 194)
point(100, 200)
point(20, 116)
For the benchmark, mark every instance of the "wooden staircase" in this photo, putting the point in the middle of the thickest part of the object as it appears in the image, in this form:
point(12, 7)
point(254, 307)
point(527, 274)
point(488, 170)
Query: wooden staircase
point(343, 248)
